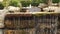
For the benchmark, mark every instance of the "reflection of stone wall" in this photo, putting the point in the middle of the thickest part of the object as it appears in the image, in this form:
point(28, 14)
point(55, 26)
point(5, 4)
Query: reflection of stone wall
point(21, 31)
point(43, 24)
point(46, 24)
point(1, 31)
point(20, 22)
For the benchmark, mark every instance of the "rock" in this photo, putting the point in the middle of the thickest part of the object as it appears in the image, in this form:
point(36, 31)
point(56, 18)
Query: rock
point(52, 8)
point(34, 9)
point(2, 16)
point(12, 8)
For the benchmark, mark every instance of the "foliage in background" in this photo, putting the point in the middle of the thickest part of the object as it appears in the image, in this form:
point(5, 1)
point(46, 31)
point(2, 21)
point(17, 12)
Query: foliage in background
point(55, 1)
point(25, 3)
point(1, 6)
point(6, 3)
point(45, 1)
point(36, 2)
point(14, 3)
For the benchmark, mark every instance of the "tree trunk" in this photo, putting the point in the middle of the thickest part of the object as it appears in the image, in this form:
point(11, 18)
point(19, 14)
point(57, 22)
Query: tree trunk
point(49, 2)
point(59, 4)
